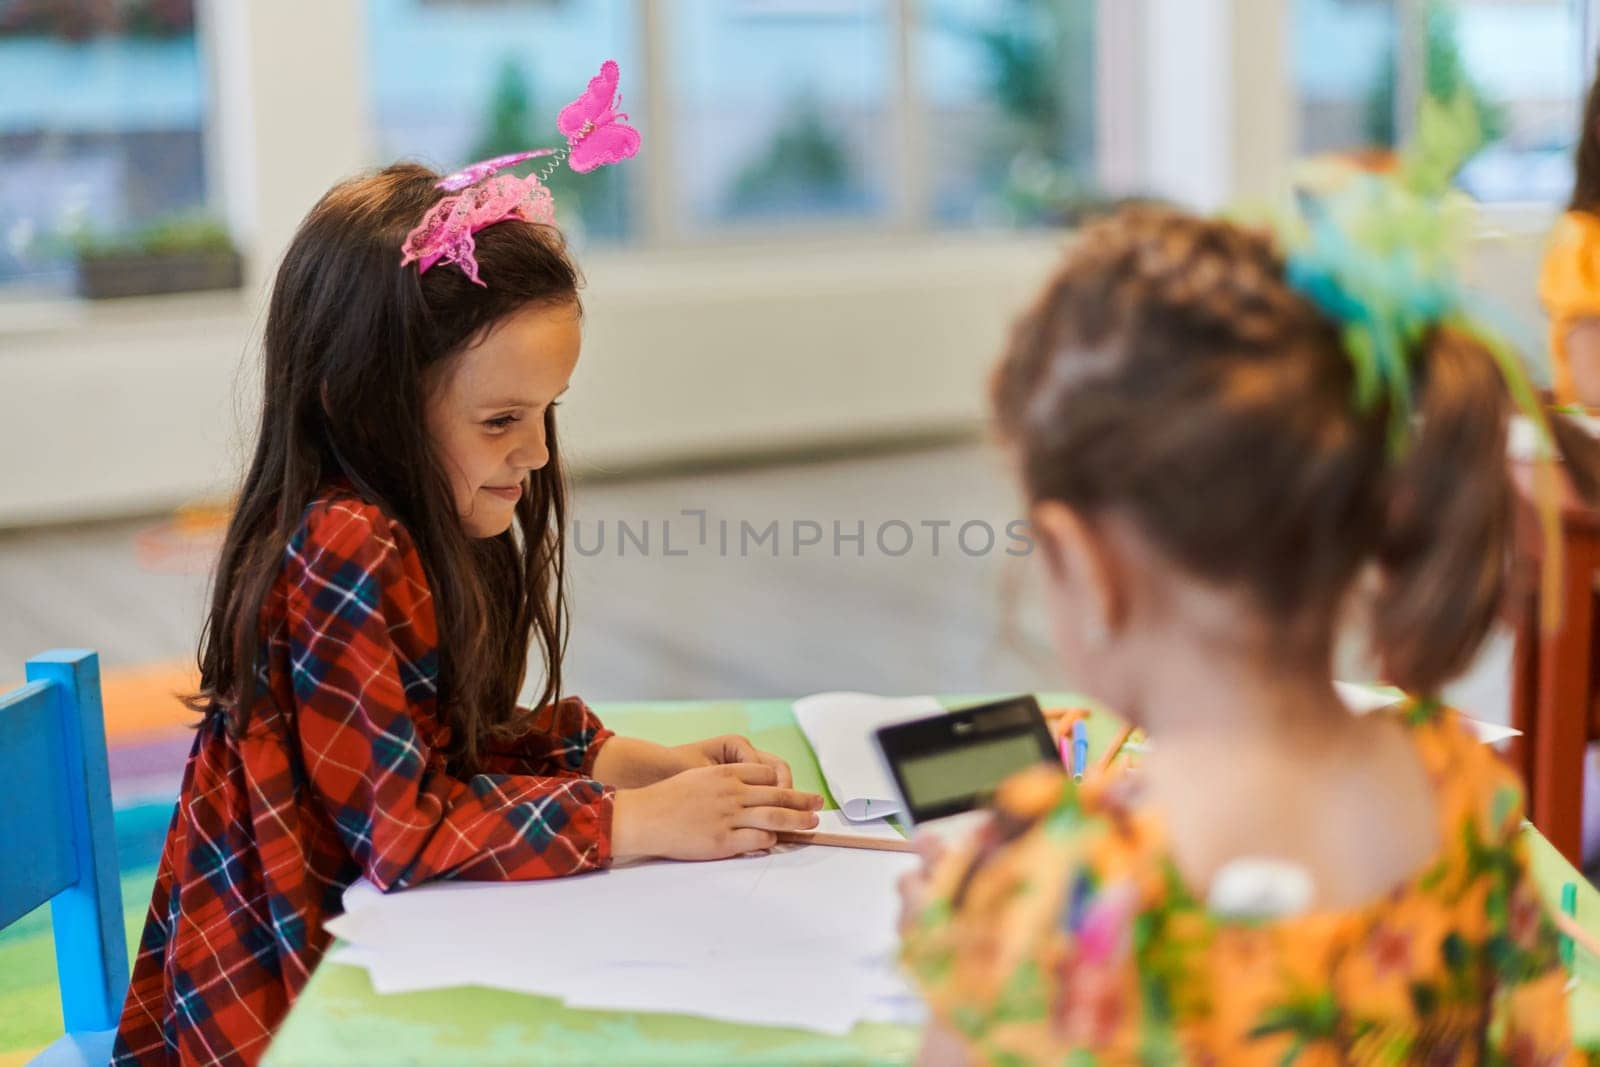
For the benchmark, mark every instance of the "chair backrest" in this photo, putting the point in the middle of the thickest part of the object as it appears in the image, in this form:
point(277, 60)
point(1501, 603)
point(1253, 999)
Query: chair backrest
point(56, 833)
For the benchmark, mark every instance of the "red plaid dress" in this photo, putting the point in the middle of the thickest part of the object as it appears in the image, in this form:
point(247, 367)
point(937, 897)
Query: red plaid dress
point(340, 775)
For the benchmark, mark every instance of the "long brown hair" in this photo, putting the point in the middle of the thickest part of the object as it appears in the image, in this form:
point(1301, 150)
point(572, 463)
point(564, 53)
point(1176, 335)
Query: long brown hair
point(1586, 181)
point(351, 344)
point(1170, 373)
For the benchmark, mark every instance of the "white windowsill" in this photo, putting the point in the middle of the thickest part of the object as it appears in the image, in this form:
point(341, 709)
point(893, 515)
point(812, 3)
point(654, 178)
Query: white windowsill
point(20, 318)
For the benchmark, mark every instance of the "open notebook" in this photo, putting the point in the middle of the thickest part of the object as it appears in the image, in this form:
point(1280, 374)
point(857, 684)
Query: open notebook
point(839, 728)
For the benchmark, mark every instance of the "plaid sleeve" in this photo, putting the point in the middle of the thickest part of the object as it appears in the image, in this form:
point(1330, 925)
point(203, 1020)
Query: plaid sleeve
point(562, 739)
point(363, 642)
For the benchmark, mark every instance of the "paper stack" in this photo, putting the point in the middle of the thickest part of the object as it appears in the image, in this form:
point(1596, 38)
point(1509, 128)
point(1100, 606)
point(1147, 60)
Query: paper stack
point(803, 937)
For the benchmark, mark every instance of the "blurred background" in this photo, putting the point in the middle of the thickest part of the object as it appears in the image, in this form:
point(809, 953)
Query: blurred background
point(793, 295)
point(793, 292)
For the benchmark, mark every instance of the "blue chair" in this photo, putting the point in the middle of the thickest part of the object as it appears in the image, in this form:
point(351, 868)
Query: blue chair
point(59, 844)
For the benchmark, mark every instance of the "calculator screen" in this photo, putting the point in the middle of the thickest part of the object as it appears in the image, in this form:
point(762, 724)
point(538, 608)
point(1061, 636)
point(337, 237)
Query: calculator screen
point(975, 769)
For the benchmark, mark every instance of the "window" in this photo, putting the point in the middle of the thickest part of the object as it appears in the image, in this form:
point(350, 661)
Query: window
point(1008, 87)
point(1344, 53)
point(1523, 59)
point(1520, 61)
point(456, 81)
point(780, 115)
point(102, 110)
point(775, 115)
point(783, 110)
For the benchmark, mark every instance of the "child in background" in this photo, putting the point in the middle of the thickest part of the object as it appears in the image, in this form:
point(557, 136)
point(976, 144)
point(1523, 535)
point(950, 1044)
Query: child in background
point(398, 540)
point(1282, 881)
point(1569, 287)
point(1569, 284)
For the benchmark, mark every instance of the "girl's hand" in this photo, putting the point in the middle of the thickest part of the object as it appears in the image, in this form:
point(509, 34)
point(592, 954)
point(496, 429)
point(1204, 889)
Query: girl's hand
point(731, 748)
point(708, 813)
point(914, 884)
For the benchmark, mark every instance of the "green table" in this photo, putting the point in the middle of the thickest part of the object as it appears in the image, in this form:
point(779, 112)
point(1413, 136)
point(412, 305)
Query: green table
point(338, 1019)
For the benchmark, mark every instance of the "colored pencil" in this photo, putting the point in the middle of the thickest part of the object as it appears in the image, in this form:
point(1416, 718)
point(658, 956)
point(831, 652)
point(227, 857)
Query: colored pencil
point(1573, 934)
point(1080, 749)
point(876, 844)
point(1115, 749)
point(1567, 923)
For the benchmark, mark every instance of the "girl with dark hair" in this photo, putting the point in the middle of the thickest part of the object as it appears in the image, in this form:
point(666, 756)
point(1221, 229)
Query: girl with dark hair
point(1219, 449)
point(397, 542)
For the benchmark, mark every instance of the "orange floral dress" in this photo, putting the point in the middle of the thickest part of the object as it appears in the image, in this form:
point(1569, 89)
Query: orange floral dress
point(1062, 933)
point(1569, 288)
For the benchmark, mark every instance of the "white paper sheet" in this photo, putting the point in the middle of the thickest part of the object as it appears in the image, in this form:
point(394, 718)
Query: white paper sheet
point(839, 728)
point(833, 821)
point(1523, 441)
point(756, 990)
point(800, 937)
point(776, 994)
point(1362, 699)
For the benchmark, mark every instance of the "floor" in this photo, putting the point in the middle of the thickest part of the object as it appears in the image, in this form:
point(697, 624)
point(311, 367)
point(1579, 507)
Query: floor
point(656, 612)
point(680, 586)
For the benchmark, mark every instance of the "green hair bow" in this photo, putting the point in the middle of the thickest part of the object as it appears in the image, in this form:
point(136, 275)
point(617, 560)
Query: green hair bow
point(1379, 256)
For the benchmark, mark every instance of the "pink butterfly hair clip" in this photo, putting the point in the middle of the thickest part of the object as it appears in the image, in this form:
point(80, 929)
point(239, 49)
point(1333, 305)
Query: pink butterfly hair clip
point(481, 196)
point(595, 132)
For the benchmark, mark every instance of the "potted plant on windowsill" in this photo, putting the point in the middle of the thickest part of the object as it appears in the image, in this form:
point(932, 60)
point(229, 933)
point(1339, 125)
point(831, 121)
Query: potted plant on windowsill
point(171, 256)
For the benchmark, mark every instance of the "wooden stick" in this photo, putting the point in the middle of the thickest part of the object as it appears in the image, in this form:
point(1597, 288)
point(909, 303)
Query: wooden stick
point(1060, 720)
point(1115, 749)
point(1569, 927)
point(878, 844)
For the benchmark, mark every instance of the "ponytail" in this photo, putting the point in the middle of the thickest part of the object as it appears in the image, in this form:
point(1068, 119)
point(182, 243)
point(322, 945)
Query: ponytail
point(1448, 525)
point(1445, 549)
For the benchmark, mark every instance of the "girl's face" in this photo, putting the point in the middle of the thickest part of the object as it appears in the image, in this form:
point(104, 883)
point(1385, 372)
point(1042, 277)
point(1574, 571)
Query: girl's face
point(486, 414)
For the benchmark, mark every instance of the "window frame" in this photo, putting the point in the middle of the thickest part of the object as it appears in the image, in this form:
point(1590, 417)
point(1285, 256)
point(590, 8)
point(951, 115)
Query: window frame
point(29, 295)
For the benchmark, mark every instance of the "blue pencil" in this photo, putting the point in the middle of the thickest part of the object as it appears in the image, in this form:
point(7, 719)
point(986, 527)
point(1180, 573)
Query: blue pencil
point(1080, 749)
